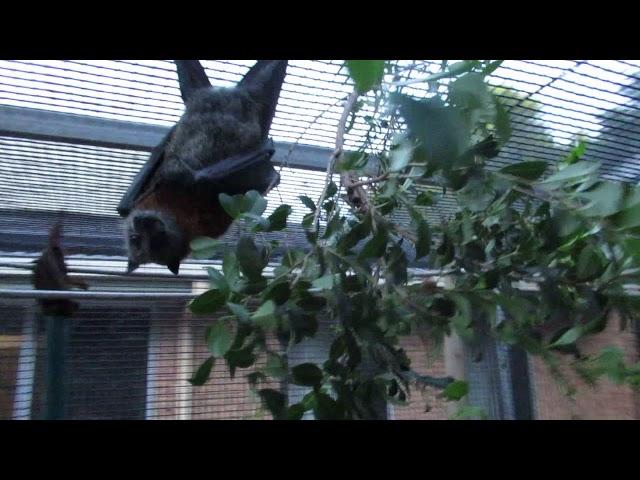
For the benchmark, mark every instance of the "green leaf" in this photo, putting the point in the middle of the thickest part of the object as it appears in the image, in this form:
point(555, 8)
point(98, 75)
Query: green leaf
point(439, 128)
point(217, 280)
point(265, 315)
point(531, 170)
point(274, 401)
point(470, 92)
point(423, 244)
point(306, 375)
point(424, 199)
point(260, 224)
point(632, 247)
point(324, 283)
point(231, 205)
point(296, 411)
point(477, 194)
point(358, 232)
point(366, 74)
point(590, 263)
point(275, 366)
point(307, 220)
point(303, 324)
point(251, 258)
point(569, 337)
point(204, 247)
point(254, 203)
point(230, 268)
point(243, 358)
point(456, 390)
point(279, 292)
point(208, 302)
point(310, 204)
point(376, 246)
point(491, 67)
point(463, 318)
point(576, 153)
point(203, 372)
point(239, 311)
point(400, 157)
point(628, 218)
point(278, 219)
point(397, 265)
point(250, 202)
point(610, 361)
point(332, 189)
point(326, 408)
point(219, 339)
point(468, 411)
point(351, 161)
point(604, 200)
point(570, 174)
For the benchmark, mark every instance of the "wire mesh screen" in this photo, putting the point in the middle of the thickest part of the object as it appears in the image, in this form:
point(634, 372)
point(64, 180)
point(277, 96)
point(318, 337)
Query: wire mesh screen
point(121, 362)
point(74, 133)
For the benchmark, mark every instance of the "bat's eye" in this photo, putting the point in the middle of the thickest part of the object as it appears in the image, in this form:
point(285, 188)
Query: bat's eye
point(134, 240)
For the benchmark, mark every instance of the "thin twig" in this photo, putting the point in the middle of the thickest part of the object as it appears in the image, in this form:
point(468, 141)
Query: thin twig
point(369, 182)
point(348, 106)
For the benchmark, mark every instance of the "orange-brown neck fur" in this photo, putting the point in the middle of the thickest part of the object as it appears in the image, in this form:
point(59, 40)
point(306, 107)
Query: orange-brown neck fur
point(188, 213)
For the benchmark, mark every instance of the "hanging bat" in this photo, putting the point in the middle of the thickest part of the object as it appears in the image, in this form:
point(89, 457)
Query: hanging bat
point(50, 273)
point(219, 145)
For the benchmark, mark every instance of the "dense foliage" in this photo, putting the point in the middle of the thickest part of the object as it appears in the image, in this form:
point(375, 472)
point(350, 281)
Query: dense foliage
point(553, 246)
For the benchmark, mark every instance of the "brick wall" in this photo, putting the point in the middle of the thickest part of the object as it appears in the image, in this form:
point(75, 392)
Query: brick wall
point(606, 401)
point(423, 404)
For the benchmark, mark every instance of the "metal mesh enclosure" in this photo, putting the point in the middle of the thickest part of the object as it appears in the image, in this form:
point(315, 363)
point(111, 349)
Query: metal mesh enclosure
point(74, 133)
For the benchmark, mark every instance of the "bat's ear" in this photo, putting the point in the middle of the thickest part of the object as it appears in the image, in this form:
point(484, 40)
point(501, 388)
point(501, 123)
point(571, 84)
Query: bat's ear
point(55, 235)
point(174, 266)
point(191, 76)
point(264, 82)
point(132, 266)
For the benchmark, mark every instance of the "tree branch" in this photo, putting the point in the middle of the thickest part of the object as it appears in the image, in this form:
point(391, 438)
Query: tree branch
point(428, 380)
point(337, 153)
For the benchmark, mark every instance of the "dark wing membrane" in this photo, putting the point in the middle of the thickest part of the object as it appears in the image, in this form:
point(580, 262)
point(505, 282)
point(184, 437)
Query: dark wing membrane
point(241, 173)
point(142, 180)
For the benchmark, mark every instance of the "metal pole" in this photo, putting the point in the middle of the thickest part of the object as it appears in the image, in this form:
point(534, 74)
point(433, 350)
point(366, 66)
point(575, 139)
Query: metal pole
point(26, 369)
point(57, 333)
point(95, 295)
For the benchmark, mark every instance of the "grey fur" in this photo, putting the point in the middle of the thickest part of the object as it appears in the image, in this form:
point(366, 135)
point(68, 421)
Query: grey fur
point(217, 123)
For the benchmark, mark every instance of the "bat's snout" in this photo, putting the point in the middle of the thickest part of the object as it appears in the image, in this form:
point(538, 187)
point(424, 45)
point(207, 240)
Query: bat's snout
point(275, 181)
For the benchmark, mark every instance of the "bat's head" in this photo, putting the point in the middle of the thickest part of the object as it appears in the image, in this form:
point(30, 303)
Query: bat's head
point(153, 237)
point(54, 245)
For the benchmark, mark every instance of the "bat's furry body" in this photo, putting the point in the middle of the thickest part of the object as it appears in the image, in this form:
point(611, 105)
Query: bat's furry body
point(50, 273)
point(220, 145)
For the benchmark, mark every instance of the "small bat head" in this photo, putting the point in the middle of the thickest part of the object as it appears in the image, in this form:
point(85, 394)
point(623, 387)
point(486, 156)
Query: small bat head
point(153, 237)
point(54, 254)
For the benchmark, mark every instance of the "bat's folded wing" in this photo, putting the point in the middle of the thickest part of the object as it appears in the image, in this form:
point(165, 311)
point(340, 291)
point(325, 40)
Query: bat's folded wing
point(241, 173)
point(142, 180)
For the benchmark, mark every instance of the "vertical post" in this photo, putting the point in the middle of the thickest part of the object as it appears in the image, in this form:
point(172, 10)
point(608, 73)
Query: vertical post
point(309, 350)
point(453, 350)
point(26, 369)
point(153, 349)
point(454, 364)
point(57, 329)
